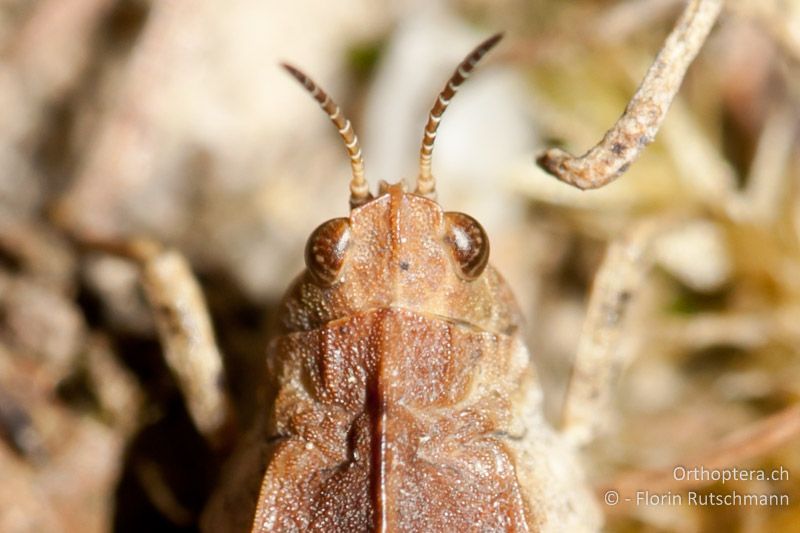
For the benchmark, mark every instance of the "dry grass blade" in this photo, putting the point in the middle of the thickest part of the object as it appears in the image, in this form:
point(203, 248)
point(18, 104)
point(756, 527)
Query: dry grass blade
point(184, 327)
point(631, 16)
point(598, 360)
point(778, 18)
point(190, 347)
point(638, 126)
point(742, 446)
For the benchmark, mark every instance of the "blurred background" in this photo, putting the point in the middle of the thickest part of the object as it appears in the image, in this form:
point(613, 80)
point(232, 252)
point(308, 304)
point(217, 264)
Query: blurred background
point(172, 120)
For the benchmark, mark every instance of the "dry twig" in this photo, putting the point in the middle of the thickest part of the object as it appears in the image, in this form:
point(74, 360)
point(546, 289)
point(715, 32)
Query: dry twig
point(184, 328)
point(598, 359)
point(638, 126)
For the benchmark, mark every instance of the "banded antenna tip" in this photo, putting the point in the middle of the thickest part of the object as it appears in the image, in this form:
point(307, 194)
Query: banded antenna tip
point(359, 190)
point(426, 184)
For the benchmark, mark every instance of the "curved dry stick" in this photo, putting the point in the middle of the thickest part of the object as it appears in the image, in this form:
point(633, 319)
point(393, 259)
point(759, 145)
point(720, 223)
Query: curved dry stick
point(359, 190)
point(638, 126)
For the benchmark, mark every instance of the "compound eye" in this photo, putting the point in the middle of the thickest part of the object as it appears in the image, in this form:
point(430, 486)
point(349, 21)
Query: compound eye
point(468, 244)
point(325, 250)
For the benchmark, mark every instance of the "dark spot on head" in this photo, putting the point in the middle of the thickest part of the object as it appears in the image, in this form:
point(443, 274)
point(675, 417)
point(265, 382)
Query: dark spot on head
point(404, 265)
point(623, 168)
point(644, 140)
point(617, 148)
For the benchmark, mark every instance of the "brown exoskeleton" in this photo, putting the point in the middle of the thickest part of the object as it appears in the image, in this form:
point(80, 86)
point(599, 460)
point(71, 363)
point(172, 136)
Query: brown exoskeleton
point(402, 397)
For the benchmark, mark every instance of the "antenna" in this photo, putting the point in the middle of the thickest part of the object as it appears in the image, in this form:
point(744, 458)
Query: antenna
point(426, 184)
point(359, 190)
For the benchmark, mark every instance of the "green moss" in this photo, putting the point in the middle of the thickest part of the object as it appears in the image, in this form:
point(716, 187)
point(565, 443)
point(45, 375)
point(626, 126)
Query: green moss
point(363, 57)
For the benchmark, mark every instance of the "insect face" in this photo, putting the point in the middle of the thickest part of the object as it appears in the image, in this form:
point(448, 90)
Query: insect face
point(398, 250)
point(464, 237)
point(407, 241)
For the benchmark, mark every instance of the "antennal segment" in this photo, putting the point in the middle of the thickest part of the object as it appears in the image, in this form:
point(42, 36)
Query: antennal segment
point(359, 190)
point(426, 185)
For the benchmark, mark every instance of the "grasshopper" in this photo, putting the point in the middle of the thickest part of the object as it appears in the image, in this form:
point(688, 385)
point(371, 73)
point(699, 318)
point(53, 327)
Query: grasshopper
point(401, 394)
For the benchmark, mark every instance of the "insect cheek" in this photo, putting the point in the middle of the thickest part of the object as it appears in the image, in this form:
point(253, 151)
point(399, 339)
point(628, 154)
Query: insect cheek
point(326, 249)
point(468, 243)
